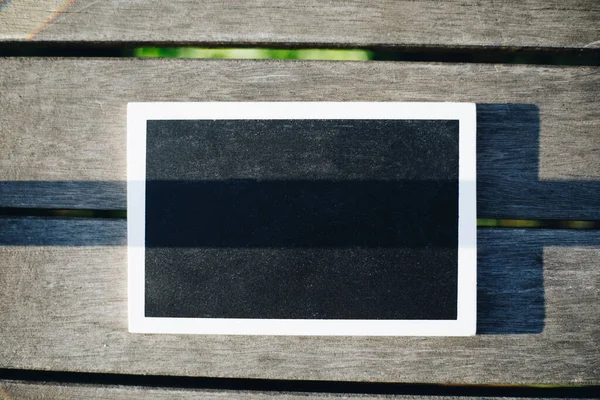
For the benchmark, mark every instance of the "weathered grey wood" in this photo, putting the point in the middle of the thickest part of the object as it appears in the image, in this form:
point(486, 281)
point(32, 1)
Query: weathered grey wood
point(63, 306)
point(531, 23)
point(63, 122)
point(49, 391)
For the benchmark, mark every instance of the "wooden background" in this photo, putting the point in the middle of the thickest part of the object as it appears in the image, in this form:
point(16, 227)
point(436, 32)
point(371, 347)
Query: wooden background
point(452, 23)
point(62, 128)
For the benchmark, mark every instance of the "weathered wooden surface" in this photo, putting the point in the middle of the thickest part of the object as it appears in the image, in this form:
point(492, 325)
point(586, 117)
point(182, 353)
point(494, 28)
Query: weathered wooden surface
point(63, 122)
point(531, 23)
point(49, 391)
point(64, 307)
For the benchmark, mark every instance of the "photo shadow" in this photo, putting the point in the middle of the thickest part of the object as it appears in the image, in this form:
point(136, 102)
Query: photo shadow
point(510, 276)
point(510, 282)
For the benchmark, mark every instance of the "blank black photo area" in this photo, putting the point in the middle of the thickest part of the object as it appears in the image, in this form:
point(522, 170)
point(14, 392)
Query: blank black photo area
point(302, 219)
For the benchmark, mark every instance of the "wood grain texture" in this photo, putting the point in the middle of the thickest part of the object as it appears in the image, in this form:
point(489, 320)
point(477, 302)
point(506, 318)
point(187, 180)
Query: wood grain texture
point(63, 306)
point(63, 122)
point(49, 391)
point(530, 23)
point(23, 19)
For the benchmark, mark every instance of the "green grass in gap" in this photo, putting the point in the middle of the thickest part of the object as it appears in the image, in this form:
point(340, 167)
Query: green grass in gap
point(256, 54)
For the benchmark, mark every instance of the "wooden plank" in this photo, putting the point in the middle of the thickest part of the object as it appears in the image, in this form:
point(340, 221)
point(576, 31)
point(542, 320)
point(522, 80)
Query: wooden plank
point(63, 306)
point(49, 391)
point(531, 23)
point(63, 122)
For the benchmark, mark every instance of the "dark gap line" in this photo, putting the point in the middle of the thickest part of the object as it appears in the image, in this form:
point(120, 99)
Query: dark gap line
point(468, 54)
point(61, 213)
point(299, 386)
point(481, 222)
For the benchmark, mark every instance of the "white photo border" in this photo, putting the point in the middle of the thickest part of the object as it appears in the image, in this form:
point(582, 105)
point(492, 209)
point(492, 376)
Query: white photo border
point(139, 113)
